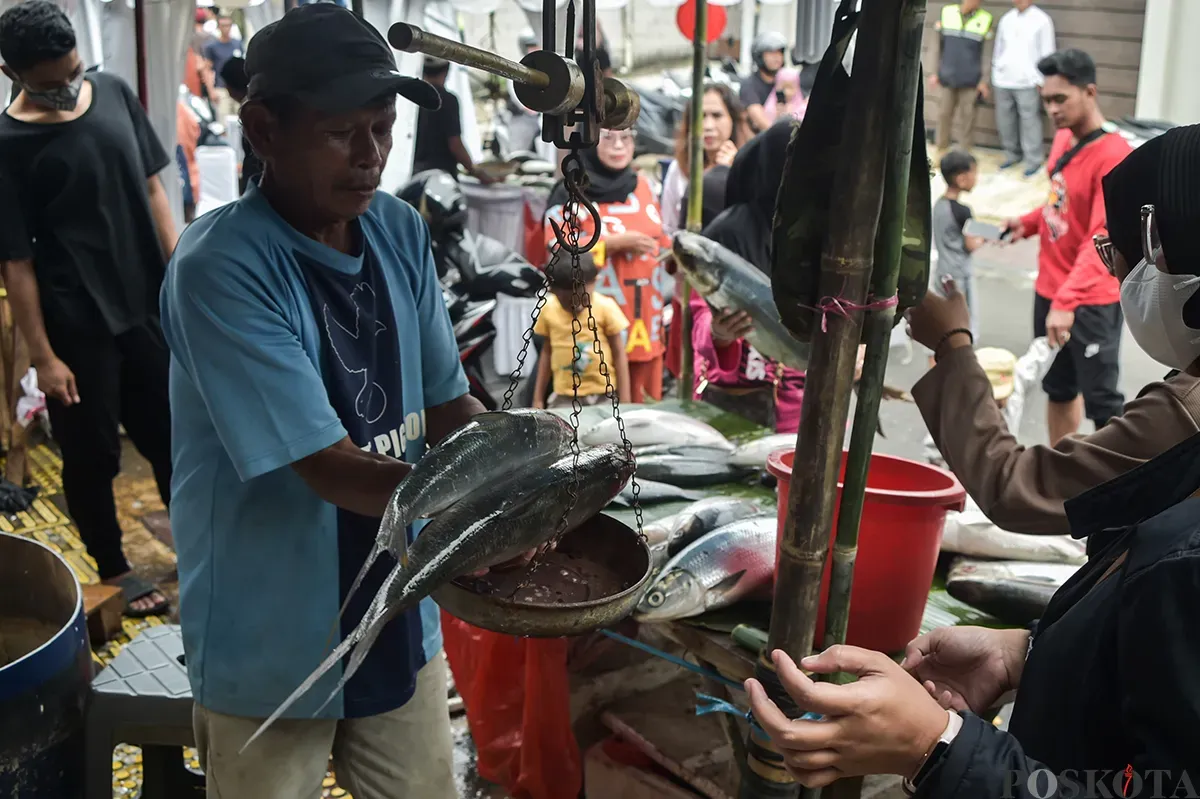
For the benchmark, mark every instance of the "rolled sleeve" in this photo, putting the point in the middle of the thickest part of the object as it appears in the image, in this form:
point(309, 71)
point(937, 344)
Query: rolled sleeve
point(263, 393)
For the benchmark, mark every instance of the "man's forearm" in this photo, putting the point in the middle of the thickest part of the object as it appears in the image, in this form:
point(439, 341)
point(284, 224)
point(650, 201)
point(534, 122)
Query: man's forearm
point(442, 420)
point(160, 209)
point(459, 151)
point(26, 305)
point(758, 117)
point(352, 479)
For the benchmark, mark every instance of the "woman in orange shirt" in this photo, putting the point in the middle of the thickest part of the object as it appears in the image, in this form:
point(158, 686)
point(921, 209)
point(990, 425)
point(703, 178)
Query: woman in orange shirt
point(627, 256)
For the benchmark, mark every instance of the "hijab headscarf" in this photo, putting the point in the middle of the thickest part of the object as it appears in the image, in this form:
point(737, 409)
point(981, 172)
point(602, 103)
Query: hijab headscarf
point(750, 191)
point(604, 185)
point(1163, 172)
point(795, 107)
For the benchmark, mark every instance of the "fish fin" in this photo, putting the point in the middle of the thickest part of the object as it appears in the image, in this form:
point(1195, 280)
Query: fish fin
point(376, 551)
point(334, 656)
point(728, 582)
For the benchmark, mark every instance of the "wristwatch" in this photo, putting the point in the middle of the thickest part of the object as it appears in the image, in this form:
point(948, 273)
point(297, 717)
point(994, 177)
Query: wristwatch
point(934, 755)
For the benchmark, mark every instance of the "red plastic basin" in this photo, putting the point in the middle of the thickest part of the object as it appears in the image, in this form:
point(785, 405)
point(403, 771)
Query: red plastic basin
point(898, 541)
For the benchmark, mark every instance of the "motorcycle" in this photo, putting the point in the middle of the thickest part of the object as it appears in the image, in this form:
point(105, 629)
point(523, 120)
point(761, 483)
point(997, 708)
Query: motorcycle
point(472, 270)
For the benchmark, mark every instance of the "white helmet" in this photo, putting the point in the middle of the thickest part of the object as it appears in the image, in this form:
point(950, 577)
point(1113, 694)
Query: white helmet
point(766, 42)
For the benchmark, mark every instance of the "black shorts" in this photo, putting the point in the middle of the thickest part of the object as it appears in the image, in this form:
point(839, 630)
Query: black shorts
point(1090, 361)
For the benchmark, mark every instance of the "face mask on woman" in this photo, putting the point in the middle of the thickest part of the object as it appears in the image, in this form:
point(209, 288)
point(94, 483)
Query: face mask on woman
point(1153, 301)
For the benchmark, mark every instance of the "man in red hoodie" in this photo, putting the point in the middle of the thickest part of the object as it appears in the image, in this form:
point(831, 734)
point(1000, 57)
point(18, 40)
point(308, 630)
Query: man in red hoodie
point(1077, 303)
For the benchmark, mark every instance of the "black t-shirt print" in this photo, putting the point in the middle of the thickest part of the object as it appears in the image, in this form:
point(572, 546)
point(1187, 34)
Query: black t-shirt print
point(83, 202)
point(435, 129)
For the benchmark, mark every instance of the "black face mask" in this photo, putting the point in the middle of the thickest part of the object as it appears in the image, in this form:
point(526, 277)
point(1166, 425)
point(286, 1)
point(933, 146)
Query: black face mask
point(60, 98)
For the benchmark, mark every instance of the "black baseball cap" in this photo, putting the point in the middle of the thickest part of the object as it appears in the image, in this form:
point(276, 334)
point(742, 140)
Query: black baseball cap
point(329, 59)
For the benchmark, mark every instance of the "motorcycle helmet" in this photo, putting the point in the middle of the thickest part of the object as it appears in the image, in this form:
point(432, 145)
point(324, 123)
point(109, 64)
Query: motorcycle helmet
point(438, 198)
point(527, 39)
point(766, 42)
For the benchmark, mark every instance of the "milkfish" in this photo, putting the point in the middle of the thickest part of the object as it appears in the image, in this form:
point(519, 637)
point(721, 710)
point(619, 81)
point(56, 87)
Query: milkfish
point(646, 427)
point(666, 537)
point(754, 453)
point(687, 472)
point(1014, 591)
point(497, 522)
point(460, 462)
point(973, 534)
point(729, 282)
point(731, 563)
point(651, 492)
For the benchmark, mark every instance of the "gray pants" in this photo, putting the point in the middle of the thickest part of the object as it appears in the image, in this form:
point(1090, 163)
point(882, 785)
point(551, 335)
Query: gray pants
point(1019, 121)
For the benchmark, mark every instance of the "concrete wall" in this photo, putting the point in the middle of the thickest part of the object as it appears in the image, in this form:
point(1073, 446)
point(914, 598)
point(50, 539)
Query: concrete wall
point(1170, 62)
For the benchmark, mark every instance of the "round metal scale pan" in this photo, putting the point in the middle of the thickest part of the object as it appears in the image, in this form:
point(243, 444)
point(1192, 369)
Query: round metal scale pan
point(593, 579)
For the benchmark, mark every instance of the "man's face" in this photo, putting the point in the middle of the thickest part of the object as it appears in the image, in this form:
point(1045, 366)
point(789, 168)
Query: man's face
point(773, 61)
point(49, 75)
point(225, 26)
point(1021, 5)
point(1067, 105)
point(331, 161)
point(970, 6)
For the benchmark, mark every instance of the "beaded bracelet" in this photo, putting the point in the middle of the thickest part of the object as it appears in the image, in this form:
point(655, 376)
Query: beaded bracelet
point(942, 341)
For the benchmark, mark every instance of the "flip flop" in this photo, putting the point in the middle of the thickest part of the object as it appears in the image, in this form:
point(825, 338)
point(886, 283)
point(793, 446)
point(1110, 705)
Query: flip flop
point(134, 588)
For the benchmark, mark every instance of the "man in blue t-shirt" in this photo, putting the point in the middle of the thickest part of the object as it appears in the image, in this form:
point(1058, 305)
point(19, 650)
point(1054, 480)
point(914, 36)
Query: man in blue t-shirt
point(312, 362)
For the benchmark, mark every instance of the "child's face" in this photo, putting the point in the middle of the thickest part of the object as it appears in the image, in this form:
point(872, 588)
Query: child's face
point(967, 180)
point(566, 298)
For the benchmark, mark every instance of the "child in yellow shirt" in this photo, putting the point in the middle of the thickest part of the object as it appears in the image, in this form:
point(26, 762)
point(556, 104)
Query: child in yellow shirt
point(557, 358)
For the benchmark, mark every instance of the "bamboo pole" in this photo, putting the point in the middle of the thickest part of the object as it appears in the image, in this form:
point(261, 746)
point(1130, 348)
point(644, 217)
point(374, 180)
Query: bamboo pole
point(845, 273)
point(695, 188)
point(879, 321)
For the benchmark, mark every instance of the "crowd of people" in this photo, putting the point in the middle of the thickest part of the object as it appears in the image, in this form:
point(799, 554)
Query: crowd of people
point(283, 361)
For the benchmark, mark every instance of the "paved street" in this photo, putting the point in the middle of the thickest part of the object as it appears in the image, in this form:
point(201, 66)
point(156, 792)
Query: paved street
point(1005, 281)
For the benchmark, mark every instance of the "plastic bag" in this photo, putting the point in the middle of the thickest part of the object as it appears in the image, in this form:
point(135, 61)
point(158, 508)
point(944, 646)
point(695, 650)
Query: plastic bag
point(32, 401)
point(1031, 368)
point(516, 694)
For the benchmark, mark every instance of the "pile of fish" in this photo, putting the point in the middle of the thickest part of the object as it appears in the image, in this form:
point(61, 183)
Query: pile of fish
point(1008, 575)
point(1014, 591)
point(483, 510)
point(668, 536)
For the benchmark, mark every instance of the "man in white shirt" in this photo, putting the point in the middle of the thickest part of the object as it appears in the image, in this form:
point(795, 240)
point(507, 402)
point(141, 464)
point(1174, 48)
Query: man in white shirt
point(1024, 36)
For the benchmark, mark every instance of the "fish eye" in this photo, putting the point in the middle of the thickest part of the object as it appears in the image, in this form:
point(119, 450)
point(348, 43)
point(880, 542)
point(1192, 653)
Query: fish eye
point(655, 599)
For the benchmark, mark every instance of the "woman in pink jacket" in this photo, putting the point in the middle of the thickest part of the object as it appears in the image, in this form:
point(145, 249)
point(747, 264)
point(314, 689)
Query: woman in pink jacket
point(729, 372)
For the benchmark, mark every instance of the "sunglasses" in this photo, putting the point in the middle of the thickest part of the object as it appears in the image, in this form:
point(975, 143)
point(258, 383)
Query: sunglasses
point(1151, 246)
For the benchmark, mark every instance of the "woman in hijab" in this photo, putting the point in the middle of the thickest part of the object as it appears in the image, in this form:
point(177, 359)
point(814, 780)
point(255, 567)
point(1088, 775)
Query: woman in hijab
point(627, 255)
point(786, 98)
point(1108, 700)
point(725, 130)
point(730, 372)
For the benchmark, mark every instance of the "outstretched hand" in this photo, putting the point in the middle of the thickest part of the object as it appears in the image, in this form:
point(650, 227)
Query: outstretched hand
point(884, 723)
point(931, 321)
point(968, 668)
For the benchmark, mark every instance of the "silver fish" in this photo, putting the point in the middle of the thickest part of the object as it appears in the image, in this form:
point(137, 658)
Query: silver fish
point(1013, 591)
point(732, 563)
point(688, 472)
point(650, 492)
point(729, 282)
point(462, 461)
point(720, 454)
point(666, 537)
point(497, 522)
point(754, 453)
point(973, 534)
point(646, 427)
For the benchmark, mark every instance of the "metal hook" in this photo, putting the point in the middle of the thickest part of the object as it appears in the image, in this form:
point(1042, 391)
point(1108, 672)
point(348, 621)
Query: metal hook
point(575, 192)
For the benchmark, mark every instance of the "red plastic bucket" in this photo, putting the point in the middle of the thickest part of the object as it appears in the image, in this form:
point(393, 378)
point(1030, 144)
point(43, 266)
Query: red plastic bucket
point(898, 541)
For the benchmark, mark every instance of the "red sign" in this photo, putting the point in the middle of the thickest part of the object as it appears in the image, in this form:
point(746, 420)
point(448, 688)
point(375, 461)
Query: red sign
point(685, 18)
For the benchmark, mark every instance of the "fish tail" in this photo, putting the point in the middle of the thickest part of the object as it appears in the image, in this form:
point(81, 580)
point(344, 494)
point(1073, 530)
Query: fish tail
point(357, 657)
point(334, 656)
point(376, 551)
point(395, 514)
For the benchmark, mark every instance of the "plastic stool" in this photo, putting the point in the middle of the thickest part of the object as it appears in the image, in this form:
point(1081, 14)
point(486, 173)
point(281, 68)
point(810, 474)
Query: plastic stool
point(143, 698)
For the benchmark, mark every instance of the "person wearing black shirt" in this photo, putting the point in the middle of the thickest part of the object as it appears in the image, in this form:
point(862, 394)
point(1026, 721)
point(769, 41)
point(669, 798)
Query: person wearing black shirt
point(439, 143)
point(768, 49)
point(236, 83)
point(83, 258)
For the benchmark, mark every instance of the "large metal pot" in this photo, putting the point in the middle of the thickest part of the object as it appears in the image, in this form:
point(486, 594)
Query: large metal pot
point(45, 672)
